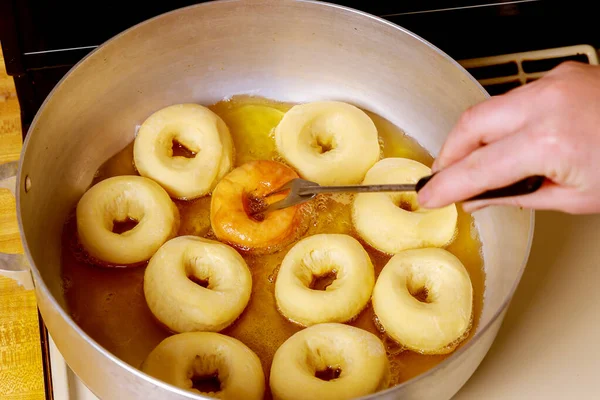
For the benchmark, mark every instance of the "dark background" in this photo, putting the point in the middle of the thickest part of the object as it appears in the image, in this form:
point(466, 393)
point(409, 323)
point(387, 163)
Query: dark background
point(42, 40)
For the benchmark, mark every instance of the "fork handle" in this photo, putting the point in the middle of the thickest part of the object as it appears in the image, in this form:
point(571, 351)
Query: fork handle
point(522, 187)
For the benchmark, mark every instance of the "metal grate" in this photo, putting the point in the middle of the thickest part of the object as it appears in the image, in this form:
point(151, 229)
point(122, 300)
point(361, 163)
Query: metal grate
point(499, 74)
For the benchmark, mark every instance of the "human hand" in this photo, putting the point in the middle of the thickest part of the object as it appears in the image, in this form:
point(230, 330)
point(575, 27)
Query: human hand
point(549, 127)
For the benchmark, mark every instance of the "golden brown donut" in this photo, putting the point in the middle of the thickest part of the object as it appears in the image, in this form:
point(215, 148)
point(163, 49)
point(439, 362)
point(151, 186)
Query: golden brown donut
point(243, 191)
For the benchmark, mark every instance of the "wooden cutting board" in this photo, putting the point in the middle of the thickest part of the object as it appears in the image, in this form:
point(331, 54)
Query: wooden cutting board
point(21, 371)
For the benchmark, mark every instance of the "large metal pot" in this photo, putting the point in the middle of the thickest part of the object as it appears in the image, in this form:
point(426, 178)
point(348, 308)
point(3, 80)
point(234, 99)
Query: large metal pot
point(287, 50)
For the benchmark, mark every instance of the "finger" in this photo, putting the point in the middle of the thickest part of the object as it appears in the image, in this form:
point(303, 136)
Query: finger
point(486, 123)
point(548, 197)
point(490, 167)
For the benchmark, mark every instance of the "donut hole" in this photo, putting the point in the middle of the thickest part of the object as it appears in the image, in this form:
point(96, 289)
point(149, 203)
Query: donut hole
point(329, 373)
point(324, 143)
point(254, 207)
point(325, 359)
point(322, 281)
point(407, 206)
point(322, 136)
point(199, 281)
point(421, 294)
point(124, 212)
point(198, 271)
point(181, 150)
point(419, 290)
point(318, 270)
point(204, 374)
point(406, 201)
point(121, 226)
point(206, 383)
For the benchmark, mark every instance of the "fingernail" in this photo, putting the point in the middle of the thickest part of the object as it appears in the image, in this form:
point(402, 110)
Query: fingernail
point(436, 166)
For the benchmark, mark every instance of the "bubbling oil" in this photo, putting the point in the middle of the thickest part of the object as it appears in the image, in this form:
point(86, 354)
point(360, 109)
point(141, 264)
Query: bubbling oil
point(109, 303)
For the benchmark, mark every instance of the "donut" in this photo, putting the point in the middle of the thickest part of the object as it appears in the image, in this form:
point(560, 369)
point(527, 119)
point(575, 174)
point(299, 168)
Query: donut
point(243, 191)
point(392, 222)
point(207, 363)
point(197, 129)
point(423, 298)
point(329, 361)
point(197, 284)
point(328, 142)
point(113, 201)
point(338, 255)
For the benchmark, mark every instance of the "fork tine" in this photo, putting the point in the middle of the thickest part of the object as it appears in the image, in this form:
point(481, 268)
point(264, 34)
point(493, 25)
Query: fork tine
point(288, 201)
point(293, 197)
point(284, 187)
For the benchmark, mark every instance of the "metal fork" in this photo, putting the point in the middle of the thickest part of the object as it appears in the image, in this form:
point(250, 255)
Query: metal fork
point(301, 190)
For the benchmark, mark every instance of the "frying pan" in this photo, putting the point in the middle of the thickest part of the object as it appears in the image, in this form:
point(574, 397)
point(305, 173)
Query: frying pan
point(294, 51)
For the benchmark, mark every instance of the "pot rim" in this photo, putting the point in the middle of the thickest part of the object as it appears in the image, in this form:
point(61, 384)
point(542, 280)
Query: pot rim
point(41, 286)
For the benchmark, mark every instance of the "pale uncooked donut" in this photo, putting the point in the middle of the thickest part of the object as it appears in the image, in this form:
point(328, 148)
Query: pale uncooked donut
point(198, 129)
point(183, 305)
point(316, 256)
point(117, 199)
point(358, 355)
point(437, 325)
point(232, 201)
point(328, 142)
point(381, 221)
point(180, 358)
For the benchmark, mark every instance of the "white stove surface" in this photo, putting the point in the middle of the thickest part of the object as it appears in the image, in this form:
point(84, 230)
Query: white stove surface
point(65, 384)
